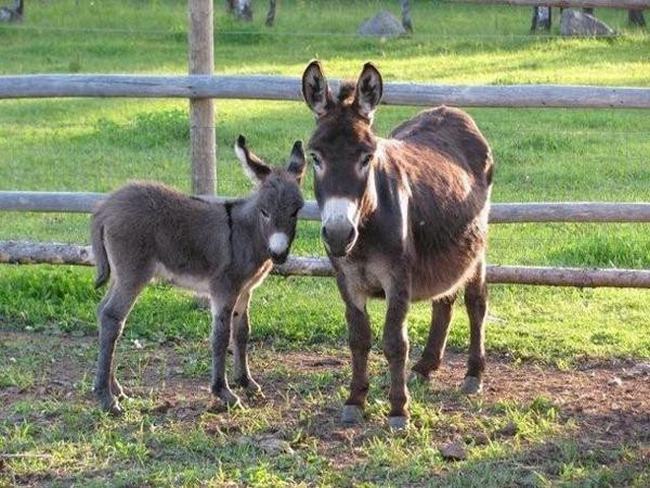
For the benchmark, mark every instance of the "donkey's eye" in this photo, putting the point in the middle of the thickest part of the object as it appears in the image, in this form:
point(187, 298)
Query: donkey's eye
point(366, 160)
point(315, 160)
point(295, 214)
point(265, 214)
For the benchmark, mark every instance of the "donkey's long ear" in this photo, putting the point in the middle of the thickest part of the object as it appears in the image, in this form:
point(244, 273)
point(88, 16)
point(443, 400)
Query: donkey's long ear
point(297, 162)
point(369, 91)
point(315, 89)
point(256, 169)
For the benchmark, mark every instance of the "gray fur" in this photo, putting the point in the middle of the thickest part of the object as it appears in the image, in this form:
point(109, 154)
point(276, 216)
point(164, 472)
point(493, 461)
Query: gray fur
point(145, 230)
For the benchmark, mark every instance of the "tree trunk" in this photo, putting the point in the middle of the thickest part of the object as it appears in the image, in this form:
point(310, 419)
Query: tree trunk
point(270, 15)
point(243, 10)
point(407, 22)
point(542, 19)
point(635, 17)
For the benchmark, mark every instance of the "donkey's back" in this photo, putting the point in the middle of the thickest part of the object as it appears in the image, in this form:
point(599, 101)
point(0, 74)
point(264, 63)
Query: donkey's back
point(449, 136)
point(145, 224)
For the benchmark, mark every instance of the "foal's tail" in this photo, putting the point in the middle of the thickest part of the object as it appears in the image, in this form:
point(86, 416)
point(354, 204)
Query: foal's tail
point(99, 250)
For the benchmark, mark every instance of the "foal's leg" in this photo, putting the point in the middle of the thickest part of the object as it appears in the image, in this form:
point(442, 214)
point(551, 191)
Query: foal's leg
point(240, 334)
point(476, 304)
point(112, 312)
point(223, 305)
point(359, 340)
point(441, 313)
point(396, 348)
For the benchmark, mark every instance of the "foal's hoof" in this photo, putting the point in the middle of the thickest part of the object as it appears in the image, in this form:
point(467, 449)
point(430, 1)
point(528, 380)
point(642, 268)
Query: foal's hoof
point(115, 410)
point(398, 423)
point(255, 391)
point(472, 386)
point(229, 399)
point(252, 388)
point(351, 414)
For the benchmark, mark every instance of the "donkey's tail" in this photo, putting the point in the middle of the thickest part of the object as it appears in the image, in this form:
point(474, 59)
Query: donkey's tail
point(99, 251)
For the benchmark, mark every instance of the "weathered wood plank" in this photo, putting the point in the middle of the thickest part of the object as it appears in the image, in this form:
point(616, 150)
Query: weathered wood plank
point(623, 4)
point(500, 213)
point(285, 88)
point(46, 253)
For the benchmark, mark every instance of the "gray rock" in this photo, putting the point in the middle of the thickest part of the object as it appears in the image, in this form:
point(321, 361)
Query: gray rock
point(384, 24)
point(453, 451)
point(577, 23)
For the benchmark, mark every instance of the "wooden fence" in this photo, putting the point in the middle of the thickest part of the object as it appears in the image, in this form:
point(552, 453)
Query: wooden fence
point(200, 87)
point(622, 4)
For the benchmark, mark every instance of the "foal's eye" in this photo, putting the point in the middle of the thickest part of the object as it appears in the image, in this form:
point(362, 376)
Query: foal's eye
point(366, 160)
point(315, 161)
point(265, 214)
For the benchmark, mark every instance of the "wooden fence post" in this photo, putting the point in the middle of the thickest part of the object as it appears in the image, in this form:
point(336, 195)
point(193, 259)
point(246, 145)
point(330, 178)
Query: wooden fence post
point(202, 122)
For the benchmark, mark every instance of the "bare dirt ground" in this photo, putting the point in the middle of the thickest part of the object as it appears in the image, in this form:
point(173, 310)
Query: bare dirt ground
point(603, 405)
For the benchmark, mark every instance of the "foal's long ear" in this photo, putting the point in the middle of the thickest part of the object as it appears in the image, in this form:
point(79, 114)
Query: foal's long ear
point(369, 91)
point(297, 162)
point(256, 169)
point(315, 89)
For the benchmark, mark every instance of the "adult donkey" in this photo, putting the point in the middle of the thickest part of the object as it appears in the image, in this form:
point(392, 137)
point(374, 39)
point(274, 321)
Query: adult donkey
point(403, 218)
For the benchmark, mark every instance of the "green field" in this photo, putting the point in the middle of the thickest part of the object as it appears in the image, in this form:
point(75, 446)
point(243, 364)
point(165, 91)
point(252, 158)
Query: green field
point(49, 438)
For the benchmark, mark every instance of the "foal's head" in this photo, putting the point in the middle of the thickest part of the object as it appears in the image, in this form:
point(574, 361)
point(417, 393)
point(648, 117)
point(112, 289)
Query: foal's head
point(278, 198)
point(342, 149)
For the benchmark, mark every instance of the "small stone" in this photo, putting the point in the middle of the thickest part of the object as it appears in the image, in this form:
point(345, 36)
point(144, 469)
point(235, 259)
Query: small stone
point(137, 344)
point(384, 24)
point(12, 360)
point(453, 451)
point(268, 443)
point(273, 445)
point(615, 381)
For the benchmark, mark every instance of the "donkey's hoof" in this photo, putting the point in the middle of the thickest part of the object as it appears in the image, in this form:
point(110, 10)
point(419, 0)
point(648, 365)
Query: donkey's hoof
point(398, 423)
point(230, 399)
point(472, 386)
point(351, 414)
point(253, 390)
point(115, 410)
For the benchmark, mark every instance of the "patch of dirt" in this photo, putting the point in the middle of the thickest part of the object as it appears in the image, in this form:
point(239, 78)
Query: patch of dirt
point(605, 411)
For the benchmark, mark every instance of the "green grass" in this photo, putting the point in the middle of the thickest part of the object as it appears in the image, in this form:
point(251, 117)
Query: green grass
point(541, 155)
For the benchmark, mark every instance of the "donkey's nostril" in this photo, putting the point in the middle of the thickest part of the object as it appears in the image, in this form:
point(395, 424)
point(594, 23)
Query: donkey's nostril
point(324, 232)
point(351, 234)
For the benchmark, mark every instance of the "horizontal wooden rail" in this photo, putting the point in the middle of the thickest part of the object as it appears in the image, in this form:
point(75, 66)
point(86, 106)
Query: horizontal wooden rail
point(285, 88)
point(623, 4)
point(44, 253)
point(500, 213)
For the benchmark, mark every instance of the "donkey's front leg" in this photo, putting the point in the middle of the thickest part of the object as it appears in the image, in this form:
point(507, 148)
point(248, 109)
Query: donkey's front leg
point(222, 311)
point(396, 349)
point(240, 335)
point(359, 337)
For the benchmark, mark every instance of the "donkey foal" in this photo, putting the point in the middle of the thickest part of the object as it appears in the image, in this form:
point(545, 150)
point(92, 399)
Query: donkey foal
point(223, 250)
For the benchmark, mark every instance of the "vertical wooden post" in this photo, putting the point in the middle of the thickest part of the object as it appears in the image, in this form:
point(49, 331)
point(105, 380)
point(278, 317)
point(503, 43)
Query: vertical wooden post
point(202, 130)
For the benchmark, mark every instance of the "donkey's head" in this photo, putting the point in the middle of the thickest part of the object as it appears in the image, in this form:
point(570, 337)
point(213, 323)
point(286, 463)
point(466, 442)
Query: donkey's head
point(278, 199)
point(342, 149)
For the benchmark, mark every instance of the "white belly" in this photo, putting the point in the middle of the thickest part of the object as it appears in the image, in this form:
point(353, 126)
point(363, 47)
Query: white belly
point(200, 285)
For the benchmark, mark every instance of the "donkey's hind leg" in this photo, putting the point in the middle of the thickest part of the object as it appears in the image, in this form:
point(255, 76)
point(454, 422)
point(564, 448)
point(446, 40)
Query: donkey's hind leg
point(112, 314)
point(441, 313)
point(476, 295)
